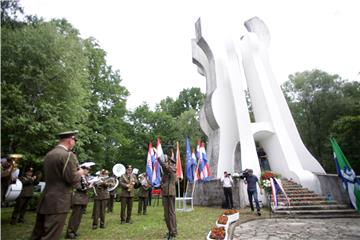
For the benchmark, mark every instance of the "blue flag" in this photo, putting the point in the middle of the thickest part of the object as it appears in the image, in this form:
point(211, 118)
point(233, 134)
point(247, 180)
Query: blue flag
point(190, 163)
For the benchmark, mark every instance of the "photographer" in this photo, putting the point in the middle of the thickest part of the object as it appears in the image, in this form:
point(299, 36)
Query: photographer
point(227, 186)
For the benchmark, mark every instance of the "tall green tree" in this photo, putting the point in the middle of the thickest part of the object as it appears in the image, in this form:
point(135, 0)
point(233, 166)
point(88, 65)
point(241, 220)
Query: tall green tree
point(316, 100)
point(44, 85)
point(346, 131)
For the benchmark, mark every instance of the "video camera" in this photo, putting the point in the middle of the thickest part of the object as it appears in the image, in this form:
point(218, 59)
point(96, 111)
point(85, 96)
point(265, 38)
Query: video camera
point(244, 174)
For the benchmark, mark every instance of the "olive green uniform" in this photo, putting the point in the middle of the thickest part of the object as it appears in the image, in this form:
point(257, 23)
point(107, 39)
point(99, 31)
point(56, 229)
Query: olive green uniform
point(168, 190)
point(24, 198)
point(100, 202)
point(79, 201)
point(60, 170)
point(143, 195)
point(126, 196)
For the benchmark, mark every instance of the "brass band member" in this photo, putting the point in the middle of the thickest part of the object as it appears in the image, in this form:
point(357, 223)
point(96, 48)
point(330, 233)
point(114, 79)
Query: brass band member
point(128, 182)
point(168, 190)
point(143, 193)
point(100, 200)
point(8, 166)
point(28, 181)
point(79, 201)
point(110, 205)
point(60, 171)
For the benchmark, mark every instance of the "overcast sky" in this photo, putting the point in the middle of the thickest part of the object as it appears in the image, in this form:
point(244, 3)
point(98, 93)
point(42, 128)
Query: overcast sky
point(149, 40)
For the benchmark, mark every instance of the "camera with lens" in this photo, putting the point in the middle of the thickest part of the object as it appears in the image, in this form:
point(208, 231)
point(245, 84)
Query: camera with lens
point(244, 174)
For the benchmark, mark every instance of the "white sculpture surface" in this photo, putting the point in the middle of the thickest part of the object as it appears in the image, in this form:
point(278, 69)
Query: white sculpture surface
point(225, 117)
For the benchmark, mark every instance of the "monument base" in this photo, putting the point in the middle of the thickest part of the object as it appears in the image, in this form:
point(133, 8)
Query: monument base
point(212, 194)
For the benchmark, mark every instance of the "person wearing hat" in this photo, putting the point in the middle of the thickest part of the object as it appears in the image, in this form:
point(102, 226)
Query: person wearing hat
point(128, 183)
point(61, 174)
point(28, 181)
point(168, 190)
point(79, 201)
point(143, 193)
point(100, 200)
point(8, 168)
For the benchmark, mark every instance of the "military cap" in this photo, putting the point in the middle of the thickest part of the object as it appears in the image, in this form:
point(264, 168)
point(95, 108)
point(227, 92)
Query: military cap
point(29, 169)
point(128, 166)
point(68, 134)
point(87, 165)
point(15, 156)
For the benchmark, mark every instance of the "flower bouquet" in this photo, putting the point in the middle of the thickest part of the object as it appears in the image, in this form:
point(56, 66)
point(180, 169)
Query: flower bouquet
point(232, 214)
point(218, 233)
point(265, 180)
point(222, 221)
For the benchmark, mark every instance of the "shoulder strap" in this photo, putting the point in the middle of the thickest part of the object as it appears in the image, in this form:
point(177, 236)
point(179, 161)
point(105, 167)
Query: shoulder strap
point(66, 163)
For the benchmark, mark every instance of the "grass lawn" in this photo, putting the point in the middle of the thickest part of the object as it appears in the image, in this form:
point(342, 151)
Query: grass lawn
point(191, 225)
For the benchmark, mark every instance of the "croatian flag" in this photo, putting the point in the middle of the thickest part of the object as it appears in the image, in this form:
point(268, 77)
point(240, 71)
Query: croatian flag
point(190, 162)
point(196, 175)
point(204, 165)
point(149, 162)
point(156, 178)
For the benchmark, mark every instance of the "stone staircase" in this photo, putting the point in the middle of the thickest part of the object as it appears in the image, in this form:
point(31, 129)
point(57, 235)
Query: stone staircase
point(307, 204)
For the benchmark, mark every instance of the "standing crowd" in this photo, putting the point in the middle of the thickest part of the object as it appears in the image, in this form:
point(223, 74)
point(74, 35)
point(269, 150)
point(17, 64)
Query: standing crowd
point(67, 185)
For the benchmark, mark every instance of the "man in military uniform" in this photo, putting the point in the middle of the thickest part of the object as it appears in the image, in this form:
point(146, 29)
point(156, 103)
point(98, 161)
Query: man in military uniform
point(143, 193)
point(79, 201)
point(61, 174)
point(168, 190)
point(128, 182)
point(100, 200)
point(28, 182)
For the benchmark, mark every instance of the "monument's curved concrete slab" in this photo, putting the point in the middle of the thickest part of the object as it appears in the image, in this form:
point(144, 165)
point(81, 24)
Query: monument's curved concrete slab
point(225, 117)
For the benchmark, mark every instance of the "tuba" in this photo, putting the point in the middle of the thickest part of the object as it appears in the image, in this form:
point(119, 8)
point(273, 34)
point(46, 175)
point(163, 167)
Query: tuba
point(15, 188)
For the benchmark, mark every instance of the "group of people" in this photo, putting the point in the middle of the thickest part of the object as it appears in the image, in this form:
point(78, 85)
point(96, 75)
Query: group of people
point(67, 185)
point(251, 181)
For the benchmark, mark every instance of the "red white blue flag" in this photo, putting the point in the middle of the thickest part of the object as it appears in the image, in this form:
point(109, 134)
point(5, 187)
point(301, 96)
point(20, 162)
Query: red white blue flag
point(149, 162)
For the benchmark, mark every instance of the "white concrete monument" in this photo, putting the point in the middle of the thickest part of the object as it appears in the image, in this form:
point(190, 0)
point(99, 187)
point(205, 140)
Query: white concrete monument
point(225, 117)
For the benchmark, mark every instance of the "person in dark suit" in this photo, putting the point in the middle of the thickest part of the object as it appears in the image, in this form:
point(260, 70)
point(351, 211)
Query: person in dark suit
point(61, 174)
point(79, 201)
point(143, 193)
point(28, 182)
point(100, 200)
point(128, 183)
point(168, 190)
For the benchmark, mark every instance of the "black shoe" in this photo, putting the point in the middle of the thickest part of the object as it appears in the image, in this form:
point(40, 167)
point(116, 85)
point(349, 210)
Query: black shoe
point(129, 221)
point(21, 221)
point(102, 226)
point(70, 236)
point(259, 213)
point(13, 222)
point(144, 213)
point(94, 227)
point(122, 222)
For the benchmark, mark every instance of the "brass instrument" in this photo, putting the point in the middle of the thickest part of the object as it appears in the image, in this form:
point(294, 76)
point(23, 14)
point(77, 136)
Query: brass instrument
point(110, 182)
point(144, 181)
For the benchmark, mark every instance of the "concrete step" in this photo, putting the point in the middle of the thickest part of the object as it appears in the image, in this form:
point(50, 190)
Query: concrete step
point(299, 194)
point(311, 207)
point(324, 213)
point(307, 203)
point(305, 198)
